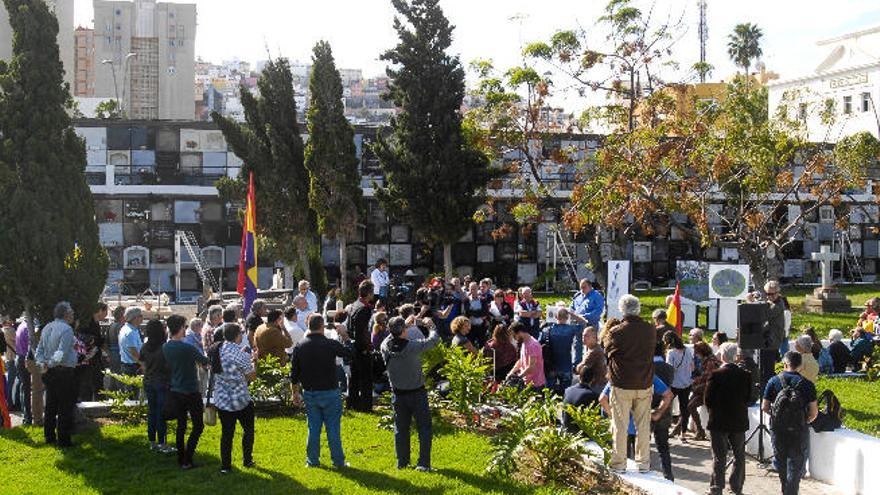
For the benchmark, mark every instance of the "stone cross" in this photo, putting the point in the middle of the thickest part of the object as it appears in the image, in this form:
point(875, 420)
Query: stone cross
point(826, 259)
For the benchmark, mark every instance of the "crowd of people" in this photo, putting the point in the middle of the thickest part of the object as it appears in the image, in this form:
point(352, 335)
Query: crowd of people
point(344, 356)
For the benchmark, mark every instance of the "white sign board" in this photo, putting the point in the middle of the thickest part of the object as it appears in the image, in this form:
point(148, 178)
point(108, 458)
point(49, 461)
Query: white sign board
point(728, 281)
point(618, 285)
point(728, 317)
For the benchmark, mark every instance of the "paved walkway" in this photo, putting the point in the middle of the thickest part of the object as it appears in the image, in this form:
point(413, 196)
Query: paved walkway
point(692, 467)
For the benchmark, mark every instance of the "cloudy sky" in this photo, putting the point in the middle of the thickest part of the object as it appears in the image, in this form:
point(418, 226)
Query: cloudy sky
point(359, 30)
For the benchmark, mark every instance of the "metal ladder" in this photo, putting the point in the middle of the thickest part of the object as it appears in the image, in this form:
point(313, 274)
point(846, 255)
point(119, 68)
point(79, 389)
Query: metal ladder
point(189, 242)
point(562, 253)
point(849, 263)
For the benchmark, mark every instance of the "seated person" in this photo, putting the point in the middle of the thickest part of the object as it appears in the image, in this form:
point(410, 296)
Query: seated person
point(872, 309)
point(461, 327)
point(838, 350)
point(578, 395)
point(500, 348)
point(809, 366)
point(862, 346)
point(816, 350)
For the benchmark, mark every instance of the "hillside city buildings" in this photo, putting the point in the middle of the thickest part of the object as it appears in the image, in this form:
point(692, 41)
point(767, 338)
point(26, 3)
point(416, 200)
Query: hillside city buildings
point(152, 173)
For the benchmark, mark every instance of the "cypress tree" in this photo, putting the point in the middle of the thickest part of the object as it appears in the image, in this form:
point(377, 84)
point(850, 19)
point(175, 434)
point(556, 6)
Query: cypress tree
point(331, 158)
point(50, 247)
point(271, 146)
point(434, 178)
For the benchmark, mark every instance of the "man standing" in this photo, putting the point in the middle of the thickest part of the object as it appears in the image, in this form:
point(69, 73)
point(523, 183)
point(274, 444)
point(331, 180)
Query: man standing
point(215, 320)
point(630, 350)
point(775, 328)
point(314, 367)
point(360, 390)
point(182, 359)
point(57, 358)
point(272, 338)
point(403, 358)
point(22, 348)
point(660, 323)
point(379, 279)
point(589, 305)
point(311, 299)
point(727, 399)
point(130, 342)
point(255, 319)
point(790, 399)
point(560, 335)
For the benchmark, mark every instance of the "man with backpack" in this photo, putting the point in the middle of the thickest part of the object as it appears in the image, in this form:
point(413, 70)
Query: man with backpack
point(790, 399)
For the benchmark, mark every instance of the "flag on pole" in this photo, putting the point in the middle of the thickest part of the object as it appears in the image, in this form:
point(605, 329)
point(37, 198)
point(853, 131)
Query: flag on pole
point(247, 262)
point(673, 313)
point(5, 421)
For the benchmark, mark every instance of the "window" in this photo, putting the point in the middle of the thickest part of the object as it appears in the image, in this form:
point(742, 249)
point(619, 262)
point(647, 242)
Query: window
point(847, 104)
point(866, 102)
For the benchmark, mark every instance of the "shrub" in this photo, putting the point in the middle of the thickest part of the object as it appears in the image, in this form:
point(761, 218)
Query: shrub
point(467, 374)
point(593, 427)
point(128, 413)
point(272, 382)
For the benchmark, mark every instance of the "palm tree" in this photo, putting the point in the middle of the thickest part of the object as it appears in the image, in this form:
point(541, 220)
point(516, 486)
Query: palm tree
point(744, 45)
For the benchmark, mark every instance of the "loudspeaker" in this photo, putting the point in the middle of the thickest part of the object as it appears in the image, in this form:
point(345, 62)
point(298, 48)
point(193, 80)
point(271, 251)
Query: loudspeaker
point(752, 334)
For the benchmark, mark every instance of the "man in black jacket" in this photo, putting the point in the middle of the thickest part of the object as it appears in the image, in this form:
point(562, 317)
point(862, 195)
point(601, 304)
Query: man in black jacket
point(727, 399)
point(314, 366)
point(360, 390)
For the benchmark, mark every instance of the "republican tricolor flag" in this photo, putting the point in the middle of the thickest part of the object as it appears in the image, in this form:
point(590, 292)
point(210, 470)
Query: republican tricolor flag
point(673, 313)
point(247, 262)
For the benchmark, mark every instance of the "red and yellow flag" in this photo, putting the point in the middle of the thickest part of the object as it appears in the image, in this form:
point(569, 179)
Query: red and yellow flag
point(673, 312)
point(247, 263)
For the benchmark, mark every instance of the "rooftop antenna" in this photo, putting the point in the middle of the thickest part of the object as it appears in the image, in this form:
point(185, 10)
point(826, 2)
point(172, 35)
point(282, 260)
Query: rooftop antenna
point(704, 37)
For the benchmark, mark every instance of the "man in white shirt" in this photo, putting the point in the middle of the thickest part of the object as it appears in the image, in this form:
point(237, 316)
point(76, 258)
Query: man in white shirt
point(311, 298)
point(379, 277)
point(291, 324)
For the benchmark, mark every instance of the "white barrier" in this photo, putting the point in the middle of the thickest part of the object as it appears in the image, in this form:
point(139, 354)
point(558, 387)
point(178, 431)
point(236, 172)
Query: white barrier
point(841, 458)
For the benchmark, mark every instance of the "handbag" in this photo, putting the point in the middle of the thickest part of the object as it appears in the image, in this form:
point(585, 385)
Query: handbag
point(210, 414)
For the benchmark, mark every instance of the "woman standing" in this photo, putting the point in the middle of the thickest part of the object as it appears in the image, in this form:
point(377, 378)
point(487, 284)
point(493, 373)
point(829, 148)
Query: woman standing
point(502, 351)
point(500, 311)
point(709, 363)
point(681, 359)
point(90, 362)
point(477, 311)
point(232, 399)
point(157, 378)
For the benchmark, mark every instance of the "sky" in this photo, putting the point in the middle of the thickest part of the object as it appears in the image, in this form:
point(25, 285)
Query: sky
point(359, 30)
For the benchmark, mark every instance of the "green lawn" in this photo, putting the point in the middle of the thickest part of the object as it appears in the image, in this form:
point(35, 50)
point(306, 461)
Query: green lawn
point(859, 399)
point(115, 459)
point(858, 294)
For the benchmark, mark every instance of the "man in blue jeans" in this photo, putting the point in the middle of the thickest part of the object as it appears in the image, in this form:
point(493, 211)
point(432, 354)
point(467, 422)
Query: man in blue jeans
point(314, 366)
point(403, 358)
point(790, 399)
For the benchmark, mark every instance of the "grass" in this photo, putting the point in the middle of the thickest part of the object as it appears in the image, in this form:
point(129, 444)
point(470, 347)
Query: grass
point(115, 459)
point(857, 294)
point(859, 401)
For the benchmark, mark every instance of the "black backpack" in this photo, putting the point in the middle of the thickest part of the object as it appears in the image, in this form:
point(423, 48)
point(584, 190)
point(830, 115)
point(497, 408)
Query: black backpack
point(789, 410)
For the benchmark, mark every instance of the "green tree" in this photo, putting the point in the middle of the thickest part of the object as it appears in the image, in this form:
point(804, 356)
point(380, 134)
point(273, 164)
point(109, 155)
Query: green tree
point(331, 158)
point(272, 148)
point(744, 45)
point(108, 110)
point(47, 218)
point(435, 177)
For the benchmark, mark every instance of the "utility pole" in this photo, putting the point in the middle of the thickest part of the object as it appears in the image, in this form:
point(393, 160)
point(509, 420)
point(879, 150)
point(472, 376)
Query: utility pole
point(704, 37)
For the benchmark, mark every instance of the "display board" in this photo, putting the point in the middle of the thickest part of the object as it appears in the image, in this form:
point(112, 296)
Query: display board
point(728, 281)
point(693, 277)
point(618, 285)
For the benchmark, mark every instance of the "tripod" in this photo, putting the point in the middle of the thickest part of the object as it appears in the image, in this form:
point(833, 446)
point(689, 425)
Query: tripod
point(761, 428)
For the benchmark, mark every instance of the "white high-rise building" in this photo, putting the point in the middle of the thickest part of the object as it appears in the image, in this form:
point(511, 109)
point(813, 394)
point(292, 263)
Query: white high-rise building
point(64, 12)
point(145, 57)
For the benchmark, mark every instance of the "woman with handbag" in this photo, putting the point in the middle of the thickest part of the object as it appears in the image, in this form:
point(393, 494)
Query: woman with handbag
point(157, 377)
point(229, 384)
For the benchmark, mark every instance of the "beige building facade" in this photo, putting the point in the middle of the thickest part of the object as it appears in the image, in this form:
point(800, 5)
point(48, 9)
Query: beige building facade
point(145, 57)
point(64, 12)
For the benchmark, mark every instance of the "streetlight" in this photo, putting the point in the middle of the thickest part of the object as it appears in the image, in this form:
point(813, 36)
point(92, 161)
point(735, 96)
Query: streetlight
point(115, 84)
point(125, 70)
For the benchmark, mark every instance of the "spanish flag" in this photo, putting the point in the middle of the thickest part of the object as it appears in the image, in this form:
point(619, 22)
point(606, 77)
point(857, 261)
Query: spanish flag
point(673, 313)
point(247, 262)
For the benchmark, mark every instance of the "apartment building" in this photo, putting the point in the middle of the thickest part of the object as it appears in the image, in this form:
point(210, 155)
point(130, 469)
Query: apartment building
point(64, 12)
